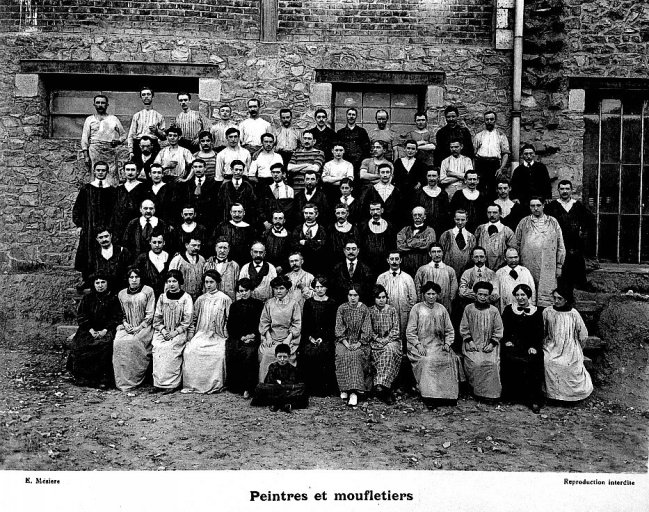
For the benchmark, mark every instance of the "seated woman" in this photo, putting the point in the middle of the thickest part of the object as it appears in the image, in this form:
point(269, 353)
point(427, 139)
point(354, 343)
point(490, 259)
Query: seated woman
point(566, 377)
point(521, 351)
point(132, 345)
point(481, 330)
point(281, 389)
point(385, 345)
point(315, 356)
point(280, 322)
point(243, 329)
point(204, 355)
point(353, 331)
point(430, 335)
point(98, 316)
point(173, 316)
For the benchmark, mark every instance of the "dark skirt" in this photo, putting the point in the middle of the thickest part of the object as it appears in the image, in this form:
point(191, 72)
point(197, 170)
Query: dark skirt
point(91, 359)
point(316, 364)
point(521, 375)
point(242, 366)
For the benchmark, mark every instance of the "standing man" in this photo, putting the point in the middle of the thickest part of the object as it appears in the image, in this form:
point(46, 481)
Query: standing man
point(253, 128)
point(400, 288)
point(175, 160)
point(155, 263)
point(457, 243)
point(491, 155)
point(111, 259)
point(454, 168)
point(335, 170)
point(128, 198)
point(530, 178)
point(237, 232)
point(323, 136)
point(206, 154)
point(287, 137)
point(310, 239)
point(510, 276)
point(453, 130)
point(147, 122)
point(355, 140)
point(92, 209)
point(314, 194)
point(191, 123)
point(384, 134)
point(259, 171)
point(414, 241)
point(233, 151)
point(306, 158)
point(512, 212)
point(277, 196)
point(188, 227)
point(102, 133)
point(424, 139)
point(219, 128)
point(260, 272)
point(191, 264)
point(576, 222)
point(236, 191)
point(300, 280)
point(539, 241)
point(278, 242)
point(377, 237)
point(438, 272)
point(410, 171)
point(494, 237)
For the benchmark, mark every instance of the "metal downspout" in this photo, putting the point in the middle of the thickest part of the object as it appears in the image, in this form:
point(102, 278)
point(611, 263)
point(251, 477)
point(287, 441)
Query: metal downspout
point(519, 9)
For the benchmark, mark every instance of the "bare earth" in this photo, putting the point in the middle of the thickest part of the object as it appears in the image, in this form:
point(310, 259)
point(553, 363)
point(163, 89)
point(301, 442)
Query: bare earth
point(47, 423)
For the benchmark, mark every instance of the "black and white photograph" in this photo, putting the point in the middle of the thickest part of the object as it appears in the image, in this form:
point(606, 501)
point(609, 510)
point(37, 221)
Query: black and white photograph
point(326, 254)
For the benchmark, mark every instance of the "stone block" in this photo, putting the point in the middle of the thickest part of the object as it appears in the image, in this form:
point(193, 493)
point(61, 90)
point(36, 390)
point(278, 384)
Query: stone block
point(209, 89)
point(577, 100)
point(26, 85)
point(502, 18)
point(505, 4)
point(434, 96)
point(321, 94)
point(504, 39)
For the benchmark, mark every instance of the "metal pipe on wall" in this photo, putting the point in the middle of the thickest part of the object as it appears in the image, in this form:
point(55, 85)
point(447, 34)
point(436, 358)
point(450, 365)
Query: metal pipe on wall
point(519, 9)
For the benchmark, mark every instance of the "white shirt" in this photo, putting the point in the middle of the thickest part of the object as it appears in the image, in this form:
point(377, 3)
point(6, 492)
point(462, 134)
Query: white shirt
point(188, 228)
point(505, 206)
point(465, 233)
point(157, 186)
point(567, 205)
point(260, 167)
point(471, 195)
point(104, 183)
point(343, 228)
point(408, 162)
point(107, 253)
point(347, 200)
point(252, 130)
point(336, 170)
point(313, 227)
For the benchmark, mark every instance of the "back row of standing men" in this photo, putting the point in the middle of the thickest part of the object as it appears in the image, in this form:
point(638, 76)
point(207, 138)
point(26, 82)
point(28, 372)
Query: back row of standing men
point(313, 192)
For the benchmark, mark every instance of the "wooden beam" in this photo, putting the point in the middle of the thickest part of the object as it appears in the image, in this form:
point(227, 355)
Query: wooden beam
point(268, 20)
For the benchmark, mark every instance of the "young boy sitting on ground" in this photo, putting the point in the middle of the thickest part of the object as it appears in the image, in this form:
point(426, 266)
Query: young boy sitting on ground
point(281, 389)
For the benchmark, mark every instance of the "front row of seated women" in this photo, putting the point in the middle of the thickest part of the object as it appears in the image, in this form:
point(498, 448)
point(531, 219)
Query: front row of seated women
point(525, 355)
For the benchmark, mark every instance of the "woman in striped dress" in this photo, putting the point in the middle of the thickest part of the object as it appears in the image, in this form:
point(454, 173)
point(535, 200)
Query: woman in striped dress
point(132, 344)
point(204, 356)
point(353, 332)
point(385, 344)
point(173, 316)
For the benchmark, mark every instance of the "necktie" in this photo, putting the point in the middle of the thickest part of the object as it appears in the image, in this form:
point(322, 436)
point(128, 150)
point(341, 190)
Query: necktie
point(344, 198)
point(100, 184)
point(527, 310)
point(236, 184)
point(492, 230)
point(276, 191)
point(394, 273)
point(197, 190)
point(460, 241)
point(146, 232)
point(309, 233)
point(351, 268)
point(513, 274)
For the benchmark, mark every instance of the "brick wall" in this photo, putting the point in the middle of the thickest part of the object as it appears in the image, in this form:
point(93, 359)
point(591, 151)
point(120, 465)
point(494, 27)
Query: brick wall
point(214, 17)
point(466, 22)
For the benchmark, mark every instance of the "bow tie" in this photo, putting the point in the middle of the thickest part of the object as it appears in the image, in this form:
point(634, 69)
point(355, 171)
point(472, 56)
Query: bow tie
point(527, 310)
point(376, 222)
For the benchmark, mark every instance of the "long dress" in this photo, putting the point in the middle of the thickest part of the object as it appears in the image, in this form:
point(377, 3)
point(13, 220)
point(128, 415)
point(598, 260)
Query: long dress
point(132, 352)
point(521, 373)
point(242, 362)
point(540, 244)
point(352, 366)
point(316, 361)
point(90, 358)
point(482, 368)
point(204, 357)
point(438, 372)
point(566, 377)
point(278, 319)
point(173, 312)
point(385, 345)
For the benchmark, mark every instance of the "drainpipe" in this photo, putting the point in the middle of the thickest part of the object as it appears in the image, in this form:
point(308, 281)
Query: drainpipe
point(519, 8)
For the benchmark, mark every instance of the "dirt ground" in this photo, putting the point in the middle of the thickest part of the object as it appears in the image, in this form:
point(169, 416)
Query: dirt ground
point(47, 423)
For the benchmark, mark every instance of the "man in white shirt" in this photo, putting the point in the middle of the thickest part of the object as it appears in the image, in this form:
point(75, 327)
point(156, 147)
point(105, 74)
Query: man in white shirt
point(454, 168)
point(233, 151)
point(219, 128)
point(102, 133)
point(510, 276)
point(336, 169)
point(146, 122)
point(277, 196)
point(491, 155)
point(253, 128)
point(495, 237)
point(259, 171)
point(175, 159)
